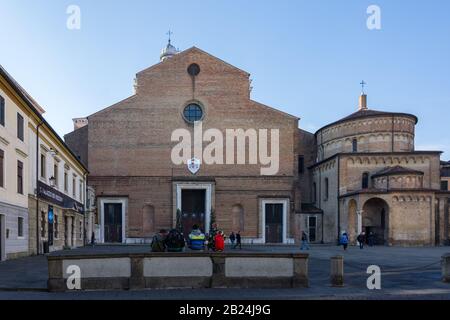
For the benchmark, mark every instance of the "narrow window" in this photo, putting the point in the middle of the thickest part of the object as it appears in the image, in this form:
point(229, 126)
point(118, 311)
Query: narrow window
point(20, 227)
point(19, 126)
point(43, 166)
point(81, 191)
point(2, 169)
point(66, 182)
point(19, 177)
point(365, 180)
point(2, 111)
point(444, 185)
point(55, 174)
point(355, 145)
point(74, 191)
point(327, 189)
point(301, 164)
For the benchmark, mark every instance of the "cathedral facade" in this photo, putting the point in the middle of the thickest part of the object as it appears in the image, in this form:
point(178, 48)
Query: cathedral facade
point(192, 147)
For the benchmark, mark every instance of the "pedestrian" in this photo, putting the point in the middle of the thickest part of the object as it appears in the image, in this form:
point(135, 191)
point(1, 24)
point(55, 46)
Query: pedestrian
point(371, 239)
point(232, 238)
point(219, 242)
point(344, 240)
point(361, 239)
point(197, 239)
point(238, 241)
point(93, 238)
point(159, 241)
point(305, 245)
point(175, 241)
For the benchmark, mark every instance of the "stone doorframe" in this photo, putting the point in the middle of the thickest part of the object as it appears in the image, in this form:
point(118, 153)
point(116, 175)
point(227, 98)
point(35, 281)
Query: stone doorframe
point(102, 202)
point(209, 198)
point(262, 220)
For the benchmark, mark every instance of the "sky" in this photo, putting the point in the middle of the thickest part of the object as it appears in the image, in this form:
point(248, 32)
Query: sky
point(306, 58)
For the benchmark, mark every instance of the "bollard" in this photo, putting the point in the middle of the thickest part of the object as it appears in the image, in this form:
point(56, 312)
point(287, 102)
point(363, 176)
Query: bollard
point(337, 271)
point(446, 268)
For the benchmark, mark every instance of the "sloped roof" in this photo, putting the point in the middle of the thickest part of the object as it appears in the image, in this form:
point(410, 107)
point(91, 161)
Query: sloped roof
point(360, 114)
point(37, 110)
point(310, 208)
point(194, 49)
point(389, 171)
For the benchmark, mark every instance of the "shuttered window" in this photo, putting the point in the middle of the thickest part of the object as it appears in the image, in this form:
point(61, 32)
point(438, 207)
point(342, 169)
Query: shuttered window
point(19, 126)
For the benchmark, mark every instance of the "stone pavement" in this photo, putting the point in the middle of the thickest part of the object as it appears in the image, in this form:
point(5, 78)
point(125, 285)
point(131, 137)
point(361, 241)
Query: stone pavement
point(407, 273)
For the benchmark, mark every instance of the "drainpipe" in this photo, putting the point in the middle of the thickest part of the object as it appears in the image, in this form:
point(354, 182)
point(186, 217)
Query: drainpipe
point(338, 199)
point(84, 208)
point(37, 190)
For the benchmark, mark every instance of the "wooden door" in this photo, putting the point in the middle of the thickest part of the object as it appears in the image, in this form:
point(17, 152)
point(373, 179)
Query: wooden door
point(274, 223)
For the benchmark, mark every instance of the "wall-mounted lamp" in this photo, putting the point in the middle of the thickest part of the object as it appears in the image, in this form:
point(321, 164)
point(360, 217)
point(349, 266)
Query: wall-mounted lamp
point(52, 182)
point(53, 152)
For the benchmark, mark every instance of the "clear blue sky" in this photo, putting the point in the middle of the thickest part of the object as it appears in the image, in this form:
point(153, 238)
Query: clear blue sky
point(306, 57)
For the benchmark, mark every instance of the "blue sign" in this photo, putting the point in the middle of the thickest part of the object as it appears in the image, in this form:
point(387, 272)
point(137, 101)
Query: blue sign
point(50, 214)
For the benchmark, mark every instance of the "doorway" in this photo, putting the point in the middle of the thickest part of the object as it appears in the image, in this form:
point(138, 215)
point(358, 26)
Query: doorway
point(274, 222)
point(375, 220)
point(312, 229)
point(193, 209)
point(113, 222)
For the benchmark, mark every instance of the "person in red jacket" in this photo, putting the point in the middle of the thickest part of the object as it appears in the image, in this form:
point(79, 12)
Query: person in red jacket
point(219, 242)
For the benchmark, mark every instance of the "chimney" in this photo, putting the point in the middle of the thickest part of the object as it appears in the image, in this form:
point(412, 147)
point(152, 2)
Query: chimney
point(79, 123)
point(362, 102)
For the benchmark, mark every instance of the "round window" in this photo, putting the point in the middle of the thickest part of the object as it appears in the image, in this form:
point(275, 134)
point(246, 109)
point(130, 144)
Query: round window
point(194, 69)
point(193, 112)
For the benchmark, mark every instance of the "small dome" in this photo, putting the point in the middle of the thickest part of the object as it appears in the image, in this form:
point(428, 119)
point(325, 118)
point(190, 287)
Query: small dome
point(168, 52)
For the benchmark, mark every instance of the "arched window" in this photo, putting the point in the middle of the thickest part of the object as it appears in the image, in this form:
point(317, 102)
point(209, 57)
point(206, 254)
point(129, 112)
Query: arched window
point(355, 145)
point(148, 219)
point(237, 218)
point(365, 180)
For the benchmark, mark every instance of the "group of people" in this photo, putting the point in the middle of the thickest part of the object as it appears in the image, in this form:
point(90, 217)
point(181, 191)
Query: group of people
point(174, 241)
point(344, 240)
point(362, 239)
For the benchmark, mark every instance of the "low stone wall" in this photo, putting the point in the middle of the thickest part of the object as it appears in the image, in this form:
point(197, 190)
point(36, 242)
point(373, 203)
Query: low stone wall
point(179, 270)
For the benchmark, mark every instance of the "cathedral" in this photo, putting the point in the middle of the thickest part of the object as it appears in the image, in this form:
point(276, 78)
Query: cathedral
point(274, 180)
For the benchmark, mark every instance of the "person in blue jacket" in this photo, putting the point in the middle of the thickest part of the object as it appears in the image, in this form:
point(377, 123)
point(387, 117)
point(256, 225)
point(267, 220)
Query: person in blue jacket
point(197, 239)
point(344, 240)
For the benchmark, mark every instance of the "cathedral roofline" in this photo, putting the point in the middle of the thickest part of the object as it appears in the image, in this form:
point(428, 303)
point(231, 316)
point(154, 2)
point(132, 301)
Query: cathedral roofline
point(194, 48)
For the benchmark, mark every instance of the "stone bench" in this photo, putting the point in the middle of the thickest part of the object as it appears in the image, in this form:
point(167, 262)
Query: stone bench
point(180, 270)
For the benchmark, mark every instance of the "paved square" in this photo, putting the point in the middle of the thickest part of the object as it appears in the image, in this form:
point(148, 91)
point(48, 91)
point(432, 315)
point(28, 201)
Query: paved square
point(407, 273)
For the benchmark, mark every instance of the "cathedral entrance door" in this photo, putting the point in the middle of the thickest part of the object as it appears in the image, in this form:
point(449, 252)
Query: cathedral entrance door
point(274, 222)
point(193, 209)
